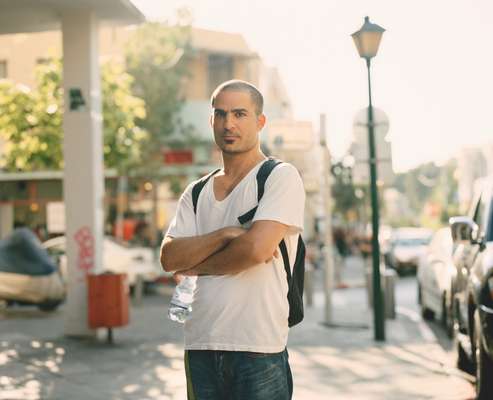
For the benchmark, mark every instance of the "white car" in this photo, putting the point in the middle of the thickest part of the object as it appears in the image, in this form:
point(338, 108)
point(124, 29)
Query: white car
point(117, 258)
point(436, 271)
point(406, 247)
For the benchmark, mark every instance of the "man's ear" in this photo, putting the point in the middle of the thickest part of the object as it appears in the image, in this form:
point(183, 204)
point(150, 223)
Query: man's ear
point(262, 119)
point(210, 120)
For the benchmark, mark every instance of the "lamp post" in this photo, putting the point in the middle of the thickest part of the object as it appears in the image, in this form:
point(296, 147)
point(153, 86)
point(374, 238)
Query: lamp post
point(367, 40)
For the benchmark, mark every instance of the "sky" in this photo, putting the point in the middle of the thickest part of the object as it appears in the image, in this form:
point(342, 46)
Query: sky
point(433, 75)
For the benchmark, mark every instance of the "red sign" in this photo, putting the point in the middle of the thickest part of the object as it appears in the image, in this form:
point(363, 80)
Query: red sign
point(178, 156)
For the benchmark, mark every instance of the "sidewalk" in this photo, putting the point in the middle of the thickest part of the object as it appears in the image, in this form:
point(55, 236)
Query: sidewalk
point(343, 362)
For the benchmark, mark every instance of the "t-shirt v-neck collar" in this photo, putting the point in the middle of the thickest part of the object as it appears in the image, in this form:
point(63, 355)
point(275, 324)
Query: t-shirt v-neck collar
point(240, 183)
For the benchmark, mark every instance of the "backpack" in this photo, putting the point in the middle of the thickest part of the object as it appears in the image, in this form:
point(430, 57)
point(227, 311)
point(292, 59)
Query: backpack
point(295, 279)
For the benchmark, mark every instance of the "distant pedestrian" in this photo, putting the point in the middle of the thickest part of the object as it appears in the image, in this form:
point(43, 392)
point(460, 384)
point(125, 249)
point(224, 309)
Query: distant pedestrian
point(235, 338)
point(340, 241)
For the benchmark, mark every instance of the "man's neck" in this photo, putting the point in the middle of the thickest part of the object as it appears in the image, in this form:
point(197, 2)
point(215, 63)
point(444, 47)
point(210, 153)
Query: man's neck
point(236, 165)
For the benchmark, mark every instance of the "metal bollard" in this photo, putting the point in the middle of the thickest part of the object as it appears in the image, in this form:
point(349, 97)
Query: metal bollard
point(389, 277)
point(308, 285)
point(369, 283)
point(389, 291)
point(138, 290)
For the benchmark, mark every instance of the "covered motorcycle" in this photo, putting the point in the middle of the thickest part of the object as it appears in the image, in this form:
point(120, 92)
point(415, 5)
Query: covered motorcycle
point(27, 273)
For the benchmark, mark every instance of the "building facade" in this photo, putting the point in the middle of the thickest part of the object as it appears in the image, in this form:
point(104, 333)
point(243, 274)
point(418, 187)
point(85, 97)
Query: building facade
point(214, 58)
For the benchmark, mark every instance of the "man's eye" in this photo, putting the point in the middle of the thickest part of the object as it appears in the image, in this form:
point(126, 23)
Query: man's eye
point(239, 114)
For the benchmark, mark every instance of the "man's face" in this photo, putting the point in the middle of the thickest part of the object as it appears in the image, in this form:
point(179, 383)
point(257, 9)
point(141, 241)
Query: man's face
point(235, 122)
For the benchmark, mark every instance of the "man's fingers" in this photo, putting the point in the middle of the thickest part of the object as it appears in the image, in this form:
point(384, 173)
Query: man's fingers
point(188, 272)
point(274, 255)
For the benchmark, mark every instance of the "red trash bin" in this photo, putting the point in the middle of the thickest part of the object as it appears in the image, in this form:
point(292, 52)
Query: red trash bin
point(108, 304)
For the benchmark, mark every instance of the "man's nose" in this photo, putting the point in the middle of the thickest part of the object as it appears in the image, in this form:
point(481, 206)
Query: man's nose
point(229, 121)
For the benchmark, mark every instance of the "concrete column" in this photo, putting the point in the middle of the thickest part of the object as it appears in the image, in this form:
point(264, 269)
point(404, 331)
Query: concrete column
point(6, 219)
point(83, 155)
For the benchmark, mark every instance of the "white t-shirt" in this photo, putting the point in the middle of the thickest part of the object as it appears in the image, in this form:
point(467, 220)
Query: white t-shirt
point(247, 311)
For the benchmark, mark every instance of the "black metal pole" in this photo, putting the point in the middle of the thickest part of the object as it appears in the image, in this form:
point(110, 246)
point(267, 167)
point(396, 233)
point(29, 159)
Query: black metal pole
point(378, 315)
point(109, 337)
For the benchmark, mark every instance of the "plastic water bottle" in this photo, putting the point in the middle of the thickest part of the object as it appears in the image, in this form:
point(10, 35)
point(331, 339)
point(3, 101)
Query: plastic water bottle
point(180, 305)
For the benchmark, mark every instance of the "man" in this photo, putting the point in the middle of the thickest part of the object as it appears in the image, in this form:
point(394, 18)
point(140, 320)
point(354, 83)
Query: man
point(235, 338)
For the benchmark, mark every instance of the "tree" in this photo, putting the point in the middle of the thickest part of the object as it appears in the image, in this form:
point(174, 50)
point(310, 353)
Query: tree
point(31, 120)
point(156, 57)
point(124, 140)
point(344, 191)
point(432, 192)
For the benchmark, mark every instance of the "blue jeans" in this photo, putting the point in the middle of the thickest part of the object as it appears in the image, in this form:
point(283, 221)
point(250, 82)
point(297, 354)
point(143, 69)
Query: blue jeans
point(238, 375)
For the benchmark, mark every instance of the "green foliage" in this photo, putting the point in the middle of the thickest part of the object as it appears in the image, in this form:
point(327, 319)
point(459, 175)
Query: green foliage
point(123, 139)
point(431, 191)
point(175, 185)
point(343, 192)
point(31, 121)
point(447, 192)
point(418, 184)
point(156, 57)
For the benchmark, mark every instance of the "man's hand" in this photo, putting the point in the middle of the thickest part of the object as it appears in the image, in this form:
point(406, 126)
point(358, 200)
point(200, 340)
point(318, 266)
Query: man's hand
point(178, 277)
point(275, 255)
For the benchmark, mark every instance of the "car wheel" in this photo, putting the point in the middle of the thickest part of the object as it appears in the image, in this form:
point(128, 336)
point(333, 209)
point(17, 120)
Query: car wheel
point(399, 270)
point(463, 362)
point(426, 313)
point(484, 364)
point(447, 317)
point(49, 305)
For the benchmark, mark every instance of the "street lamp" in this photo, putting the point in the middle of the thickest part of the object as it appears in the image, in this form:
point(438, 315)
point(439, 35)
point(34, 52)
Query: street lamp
point(367, 40)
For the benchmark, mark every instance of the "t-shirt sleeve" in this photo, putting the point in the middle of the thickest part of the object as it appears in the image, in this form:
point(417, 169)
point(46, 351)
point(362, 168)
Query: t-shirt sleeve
point(284, 198)
point(184, 223)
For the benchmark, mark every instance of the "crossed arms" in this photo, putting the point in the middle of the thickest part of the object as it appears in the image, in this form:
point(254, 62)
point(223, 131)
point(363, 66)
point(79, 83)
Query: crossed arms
point(226, 251)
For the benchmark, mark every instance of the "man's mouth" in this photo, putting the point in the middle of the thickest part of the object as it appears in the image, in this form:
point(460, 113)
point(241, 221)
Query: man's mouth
point(230, 139)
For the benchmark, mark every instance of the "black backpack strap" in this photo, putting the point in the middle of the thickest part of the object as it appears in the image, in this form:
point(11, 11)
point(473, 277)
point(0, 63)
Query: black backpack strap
point(262, 175)
point(295, 281)
point(285, 259)
point(197, 188)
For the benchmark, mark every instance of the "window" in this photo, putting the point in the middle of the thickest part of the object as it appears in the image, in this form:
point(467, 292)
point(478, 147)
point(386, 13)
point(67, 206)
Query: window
point(481, 214)
point(489, 219)
point(3, 69)
point(43, 60)
point(220, 70)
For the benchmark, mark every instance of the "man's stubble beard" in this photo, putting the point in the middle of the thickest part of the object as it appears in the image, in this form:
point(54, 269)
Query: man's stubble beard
point(240, 150)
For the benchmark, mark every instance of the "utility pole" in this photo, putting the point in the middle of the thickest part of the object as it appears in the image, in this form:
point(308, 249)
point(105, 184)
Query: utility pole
point(327, 196)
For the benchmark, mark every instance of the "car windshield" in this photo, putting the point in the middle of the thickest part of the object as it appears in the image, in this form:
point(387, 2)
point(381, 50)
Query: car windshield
point(412, 242)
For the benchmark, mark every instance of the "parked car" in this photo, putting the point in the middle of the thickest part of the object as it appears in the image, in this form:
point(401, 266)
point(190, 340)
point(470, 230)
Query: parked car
point(406, 247)
point(473, 297)
point(117, 258)
point(27, 273)
point(436, 273)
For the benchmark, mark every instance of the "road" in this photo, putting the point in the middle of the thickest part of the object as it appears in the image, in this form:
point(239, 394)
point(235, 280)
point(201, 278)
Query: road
point(339, 362)
point(406, 292)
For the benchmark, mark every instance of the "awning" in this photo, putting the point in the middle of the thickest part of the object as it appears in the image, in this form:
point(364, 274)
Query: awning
point(18, 16)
